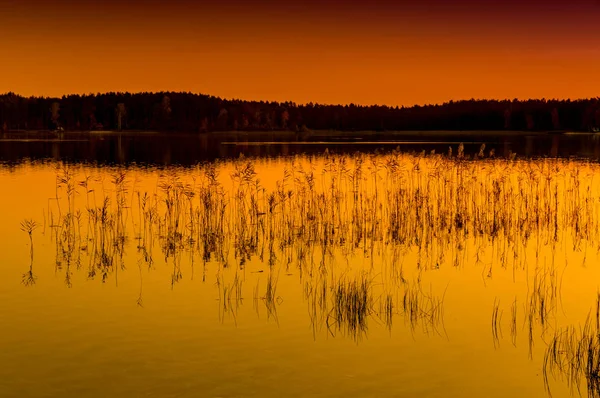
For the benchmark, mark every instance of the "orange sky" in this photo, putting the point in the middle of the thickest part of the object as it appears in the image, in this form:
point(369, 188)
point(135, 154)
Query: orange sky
point(377, 52)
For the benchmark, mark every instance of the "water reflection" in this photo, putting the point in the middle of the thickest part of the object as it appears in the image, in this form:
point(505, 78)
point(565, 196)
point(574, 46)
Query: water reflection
point(188, 149)
point(28, 226)
point(357, 242)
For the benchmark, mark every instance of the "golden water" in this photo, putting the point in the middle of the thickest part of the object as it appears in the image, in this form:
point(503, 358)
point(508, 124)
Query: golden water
point(367, 275)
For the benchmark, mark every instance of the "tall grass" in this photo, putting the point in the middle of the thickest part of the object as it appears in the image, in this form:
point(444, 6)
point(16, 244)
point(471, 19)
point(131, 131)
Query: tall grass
point(354, 228)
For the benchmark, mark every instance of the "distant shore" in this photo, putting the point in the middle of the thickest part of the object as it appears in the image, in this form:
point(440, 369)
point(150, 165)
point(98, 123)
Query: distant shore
point(310, 134)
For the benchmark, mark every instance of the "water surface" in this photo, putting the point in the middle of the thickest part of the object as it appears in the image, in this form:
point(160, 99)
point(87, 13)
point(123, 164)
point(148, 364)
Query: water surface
point(362, 274)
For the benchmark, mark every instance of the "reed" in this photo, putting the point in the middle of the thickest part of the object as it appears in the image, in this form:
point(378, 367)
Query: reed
point(352, 303)
point(573, 354)
point(28, 226)
point(396, 214)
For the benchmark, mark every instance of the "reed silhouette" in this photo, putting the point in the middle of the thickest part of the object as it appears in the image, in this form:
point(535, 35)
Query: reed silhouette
point(400, 215)
point(573, 354)
point(28, 226)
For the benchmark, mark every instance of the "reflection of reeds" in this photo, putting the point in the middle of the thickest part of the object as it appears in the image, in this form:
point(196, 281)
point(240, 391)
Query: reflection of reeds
point(351, 306)
point(513, 322)
point(423, 309)
point(230, 296)
point(28, 226)
point(387, 310)
point(574, 354)
point(271, 298)
point(542, 302)
point(316, 293)
point(543, 297)
point(540, 308)
point(496, 323)
point(401, 214)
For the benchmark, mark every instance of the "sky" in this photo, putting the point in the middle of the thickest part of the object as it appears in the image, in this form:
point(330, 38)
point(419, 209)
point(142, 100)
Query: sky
point(326, 51)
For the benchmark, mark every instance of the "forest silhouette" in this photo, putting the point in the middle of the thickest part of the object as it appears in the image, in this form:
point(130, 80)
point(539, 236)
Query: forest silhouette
point(193, 113)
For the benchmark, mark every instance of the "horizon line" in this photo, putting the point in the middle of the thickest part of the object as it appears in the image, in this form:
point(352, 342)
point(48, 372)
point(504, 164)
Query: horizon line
point(516, 99)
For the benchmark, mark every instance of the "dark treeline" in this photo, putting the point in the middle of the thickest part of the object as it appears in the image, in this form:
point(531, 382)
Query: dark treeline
point(187, 112)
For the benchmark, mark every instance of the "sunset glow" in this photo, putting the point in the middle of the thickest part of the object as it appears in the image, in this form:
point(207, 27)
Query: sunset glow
point(378, 52)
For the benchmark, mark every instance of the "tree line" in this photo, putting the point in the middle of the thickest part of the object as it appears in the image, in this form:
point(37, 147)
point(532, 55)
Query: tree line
point(188, 112)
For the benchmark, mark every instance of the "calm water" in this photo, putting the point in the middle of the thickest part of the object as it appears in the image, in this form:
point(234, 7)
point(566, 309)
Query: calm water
point(188, 149)
point(361, 274)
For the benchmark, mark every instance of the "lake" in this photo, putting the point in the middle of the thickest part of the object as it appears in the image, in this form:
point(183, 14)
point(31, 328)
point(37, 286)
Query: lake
point(153, 266)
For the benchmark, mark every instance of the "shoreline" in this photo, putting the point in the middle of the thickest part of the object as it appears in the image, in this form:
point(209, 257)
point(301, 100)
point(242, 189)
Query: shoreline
point(310, 133)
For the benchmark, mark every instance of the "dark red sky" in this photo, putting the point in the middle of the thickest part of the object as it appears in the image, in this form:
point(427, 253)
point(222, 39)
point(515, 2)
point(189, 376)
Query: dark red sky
point(385, 52)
